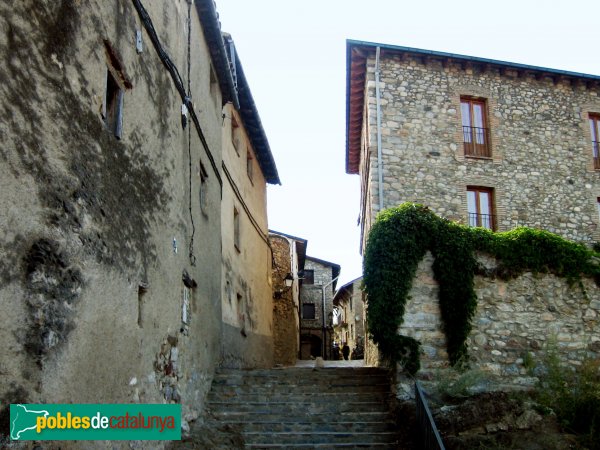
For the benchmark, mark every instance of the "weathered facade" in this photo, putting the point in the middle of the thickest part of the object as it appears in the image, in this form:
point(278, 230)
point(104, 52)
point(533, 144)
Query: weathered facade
point(485, 143)
point(246, 278)
point(316, 306)
point(111, 206)
point(478, 141)
point(350, 319)
point(289, 253)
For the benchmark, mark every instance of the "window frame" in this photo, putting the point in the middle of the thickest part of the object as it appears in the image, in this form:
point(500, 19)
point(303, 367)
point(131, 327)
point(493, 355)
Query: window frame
point(471, 148)
point(250, 166)
point(594, 124)
point(314, 311)
point(308, 280)
point(203, 190)
point(236, 229)
point(112, 106)
point(478, 214)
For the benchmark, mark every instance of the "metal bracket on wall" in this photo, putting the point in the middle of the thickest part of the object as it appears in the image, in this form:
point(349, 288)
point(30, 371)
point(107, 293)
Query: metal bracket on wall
point(139, 44)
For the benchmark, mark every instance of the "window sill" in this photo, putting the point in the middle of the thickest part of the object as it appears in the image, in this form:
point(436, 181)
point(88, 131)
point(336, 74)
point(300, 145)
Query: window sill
point(483, 158)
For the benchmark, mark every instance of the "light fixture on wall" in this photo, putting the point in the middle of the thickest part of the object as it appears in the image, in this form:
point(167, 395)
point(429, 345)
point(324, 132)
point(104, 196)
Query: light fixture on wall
point(288, 280)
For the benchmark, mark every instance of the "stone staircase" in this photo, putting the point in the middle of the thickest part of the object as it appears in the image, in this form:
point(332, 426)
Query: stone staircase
point(304, 408)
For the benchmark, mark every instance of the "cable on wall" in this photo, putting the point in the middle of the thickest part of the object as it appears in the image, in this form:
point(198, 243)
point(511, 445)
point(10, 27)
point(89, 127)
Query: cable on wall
point(177, 80)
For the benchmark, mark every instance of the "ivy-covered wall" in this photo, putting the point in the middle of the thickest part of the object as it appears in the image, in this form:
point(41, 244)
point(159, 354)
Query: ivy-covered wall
point(481, 298)
point(513, 322)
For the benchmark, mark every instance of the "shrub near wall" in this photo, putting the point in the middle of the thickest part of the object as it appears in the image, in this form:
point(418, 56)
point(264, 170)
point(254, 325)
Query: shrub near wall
point(399, 240)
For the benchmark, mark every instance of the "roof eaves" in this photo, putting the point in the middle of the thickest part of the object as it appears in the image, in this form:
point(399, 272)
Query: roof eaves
point(251, 119)
point(211, 28)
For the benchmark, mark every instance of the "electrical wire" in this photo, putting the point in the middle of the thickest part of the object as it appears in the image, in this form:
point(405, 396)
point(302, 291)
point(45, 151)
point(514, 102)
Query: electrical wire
point(177, 80)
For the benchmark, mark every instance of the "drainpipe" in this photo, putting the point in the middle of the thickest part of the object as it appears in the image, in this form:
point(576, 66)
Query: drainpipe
point(323, 315)
point(378, 105)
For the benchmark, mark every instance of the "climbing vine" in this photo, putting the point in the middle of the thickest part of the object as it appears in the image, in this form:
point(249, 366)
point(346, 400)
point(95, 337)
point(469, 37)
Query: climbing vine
point(399, 240)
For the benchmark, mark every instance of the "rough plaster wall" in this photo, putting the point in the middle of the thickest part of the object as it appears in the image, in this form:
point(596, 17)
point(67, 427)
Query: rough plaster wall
point(86, 218)
point(540, 142)
point(247, 306)
point(512, 318)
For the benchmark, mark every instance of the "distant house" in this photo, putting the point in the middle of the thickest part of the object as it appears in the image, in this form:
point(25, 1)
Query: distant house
point(319, 280)
point(350, 324)
point(487, 143)
point(289, 255)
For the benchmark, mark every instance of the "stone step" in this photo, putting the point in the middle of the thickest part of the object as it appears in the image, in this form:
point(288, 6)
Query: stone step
point(306, 371)
point(301, 389)
point(290, 407)
point(352, 445)
point(355, 416)
point(292, 396)
point(304, 408)
point(309, 427)
point(318, 438)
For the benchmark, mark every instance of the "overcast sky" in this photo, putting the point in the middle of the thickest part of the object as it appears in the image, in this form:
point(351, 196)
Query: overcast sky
point(294, 56)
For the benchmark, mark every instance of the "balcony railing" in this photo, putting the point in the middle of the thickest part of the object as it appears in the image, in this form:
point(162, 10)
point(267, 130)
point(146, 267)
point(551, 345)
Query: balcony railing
point(596, 147)
point(482, 220)
point(477, 141)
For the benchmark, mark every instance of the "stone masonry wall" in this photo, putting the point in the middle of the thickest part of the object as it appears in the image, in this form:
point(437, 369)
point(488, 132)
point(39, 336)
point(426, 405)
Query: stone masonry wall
point(285, 310)
point(514, 318)
point(541, 167)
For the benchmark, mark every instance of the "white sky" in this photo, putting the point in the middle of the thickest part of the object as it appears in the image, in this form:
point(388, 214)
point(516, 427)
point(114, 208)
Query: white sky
point(294, 57)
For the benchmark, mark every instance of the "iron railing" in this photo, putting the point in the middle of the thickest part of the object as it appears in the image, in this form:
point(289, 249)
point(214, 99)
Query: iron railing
point(482, 220)
point(477, 141)
point(428, 432)
point(596, 147)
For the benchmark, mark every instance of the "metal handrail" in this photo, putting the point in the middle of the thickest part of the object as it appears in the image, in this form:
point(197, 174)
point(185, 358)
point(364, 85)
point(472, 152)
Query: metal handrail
point(476, 141)
point(429, 434)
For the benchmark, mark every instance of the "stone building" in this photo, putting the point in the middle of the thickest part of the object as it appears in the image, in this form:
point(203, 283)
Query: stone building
point(319, 280)
point(349, 300)
point(116, 183)
point(247, 167)
point(486, 143)
point(289, 253)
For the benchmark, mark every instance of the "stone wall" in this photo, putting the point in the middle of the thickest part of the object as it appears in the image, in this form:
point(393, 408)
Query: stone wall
point(286, 322)
point(541, 169)
point(100, 301)
point(515, 321)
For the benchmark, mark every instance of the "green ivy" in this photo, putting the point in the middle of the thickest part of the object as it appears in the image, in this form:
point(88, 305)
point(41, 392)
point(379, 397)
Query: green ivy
point(399, 240)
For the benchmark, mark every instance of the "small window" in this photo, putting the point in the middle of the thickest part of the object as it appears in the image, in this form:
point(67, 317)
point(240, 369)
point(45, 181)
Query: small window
point(595, 131)
point(308, 311)
point(249, 165)
point(113, 105)
point(214, 87)
point(203, 190)
point(476, 134)
point(236, 229)
point(309, 277)
point(235, 135)
point(480, 206)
